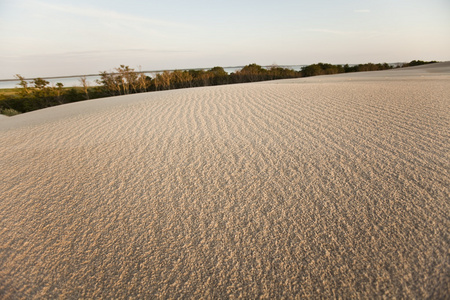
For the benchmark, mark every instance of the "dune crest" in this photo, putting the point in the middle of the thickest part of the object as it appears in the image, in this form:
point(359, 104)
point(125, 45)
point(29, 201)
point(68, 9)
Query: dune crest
point(331, 186)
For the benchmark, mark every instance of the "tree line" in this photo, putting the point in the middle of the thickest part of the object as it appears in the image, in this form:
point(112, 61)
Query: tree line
point(125, 80)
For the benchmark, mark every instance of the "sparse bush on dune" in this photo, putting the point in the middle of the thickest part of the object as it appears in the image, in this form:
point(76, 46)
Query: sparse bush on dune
point(9, 112)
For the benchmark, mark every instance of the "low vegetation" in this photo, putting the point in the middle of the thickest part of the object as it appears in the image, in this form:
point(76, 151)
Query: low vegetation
point(418, 63)
point(9, 112)
point(125, 80)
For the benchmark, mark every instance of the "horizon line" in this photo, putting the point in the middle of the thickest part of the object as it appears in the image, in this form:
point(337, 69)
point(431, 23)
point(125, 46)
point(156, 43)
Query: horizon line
point(140, 72)
point(158, 71)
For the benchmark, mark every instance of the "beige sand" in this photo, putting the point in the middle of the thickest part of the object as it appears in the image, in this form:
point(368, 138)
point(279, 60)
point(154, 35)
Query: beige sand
point(330, 186)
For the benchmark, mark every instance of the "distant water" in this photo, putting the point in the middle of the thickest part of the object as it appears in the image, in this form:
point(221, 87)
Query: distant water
point(66, 81)
point(71, 81)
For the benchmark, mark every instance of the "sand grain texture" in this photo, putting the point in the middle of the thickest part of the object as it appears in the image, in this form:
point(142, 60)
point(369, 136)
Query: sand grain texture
point(330, 186)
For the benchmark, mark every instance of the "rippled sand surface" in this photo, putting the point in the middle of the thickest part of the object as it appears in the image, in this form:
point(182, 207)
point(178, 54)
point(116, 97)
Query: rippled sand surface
point(330, 186)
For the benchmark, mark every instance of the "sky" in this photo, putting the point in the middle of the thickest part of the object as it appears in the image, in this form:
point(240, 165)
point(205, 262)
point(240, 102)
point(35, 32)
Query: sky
point(67, 37)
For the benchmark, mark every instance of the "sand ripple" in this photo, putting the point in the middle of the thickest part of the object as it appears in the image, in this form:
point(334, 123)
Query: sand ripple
point(332, 186)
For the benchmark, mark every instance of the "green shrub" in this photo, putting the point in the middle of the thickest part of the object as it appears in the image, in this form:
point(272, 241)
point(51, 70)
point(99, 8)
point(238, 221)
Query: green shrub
point(9, 112)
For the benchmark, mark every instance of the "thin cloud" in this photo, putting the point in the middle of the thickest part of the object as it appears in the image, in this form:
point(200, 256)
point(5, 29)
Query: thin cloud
point(109, 15)
point(322, 30)
point(344, 33)
point(95, 53)
point(362, 11)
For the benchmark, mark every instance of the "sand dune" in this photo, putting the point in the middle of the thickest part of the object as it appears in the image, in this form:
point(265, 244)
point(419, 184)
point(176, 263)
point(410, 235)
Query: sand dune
point(330, 186)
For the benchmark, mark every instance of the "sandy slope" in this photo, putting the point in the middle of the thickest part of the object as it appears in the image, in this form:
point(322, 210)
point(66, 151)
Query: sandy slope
point(325, 186)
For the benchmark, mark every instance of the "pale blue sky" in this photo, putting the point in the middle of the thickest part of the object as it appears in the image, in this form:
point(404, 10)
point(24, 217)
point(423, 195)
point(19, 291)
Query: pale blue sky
point(63, 37)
